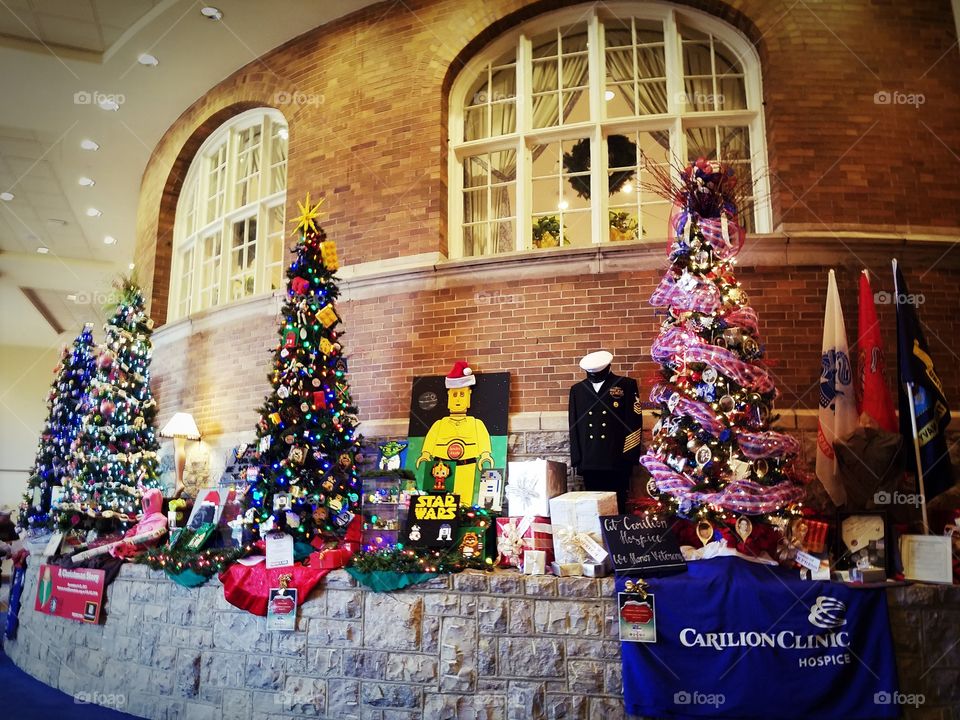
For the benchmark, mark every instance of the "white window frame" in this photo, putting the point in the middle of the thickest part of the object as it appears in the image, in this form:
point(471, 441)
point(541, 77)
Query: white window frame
point(676, 121)
point(190, 230)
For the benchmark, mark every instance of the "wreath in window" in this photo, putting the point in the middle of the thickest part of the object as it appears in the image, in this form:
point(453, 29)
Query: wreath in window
point(621, 152)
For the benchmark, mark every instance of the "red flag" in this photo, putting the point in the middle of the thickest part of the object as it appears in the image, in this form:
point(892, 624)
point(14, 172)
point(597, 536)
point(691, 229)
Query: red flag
point(873, 399)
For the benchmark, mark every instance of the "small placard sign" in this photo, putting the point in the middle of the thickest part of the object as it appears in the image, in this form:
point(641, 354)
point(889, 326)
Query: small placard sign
point(642, 545)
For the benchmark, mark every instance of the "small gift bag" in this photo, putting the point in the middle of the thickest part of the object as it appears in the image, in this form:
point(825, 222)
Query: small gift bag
point(516, 535)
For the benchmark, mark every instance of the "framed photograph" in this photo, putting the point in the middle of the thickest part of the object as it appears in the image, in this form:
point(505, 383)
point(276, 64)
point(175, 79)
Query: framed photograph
point(863, 541)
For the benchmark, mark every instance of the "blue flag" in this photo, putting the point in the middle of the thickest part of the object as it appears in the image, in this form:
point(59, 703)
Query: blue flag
point(736, 639)
point(914, 365)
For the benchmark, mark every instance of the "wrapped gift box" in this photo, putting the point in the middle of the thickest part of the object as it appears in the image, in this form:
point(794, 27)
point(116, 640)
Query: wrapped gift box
point(516, 535)
point(531, 484)
point(575, 518)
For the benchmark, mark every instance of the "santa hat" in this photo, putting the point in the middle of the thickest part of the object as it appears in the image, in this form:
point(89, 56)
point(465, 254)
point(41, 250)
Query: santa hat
point(461, 376)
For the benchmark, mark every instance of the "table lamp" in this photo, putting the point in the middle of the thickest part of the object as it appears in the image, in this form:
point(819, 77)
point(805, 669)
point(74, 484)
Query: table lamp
point(181, 428)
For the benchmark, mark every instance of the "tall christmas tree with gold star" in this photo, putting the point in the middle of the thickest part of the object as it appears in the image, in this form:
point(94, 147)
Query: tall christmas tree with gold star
point(306, 438)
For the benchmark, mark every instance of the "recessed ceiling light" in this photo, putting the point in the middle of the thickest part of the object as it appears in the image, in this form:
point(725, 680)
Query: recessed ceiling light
point(211, 13)
point(89, 145)
point(284, 133)
point(57, 222)
point(93, 212)
point(43, 250)
point(131, 266)
point(6, 196)
point(608, 95)
point(108, 103)
point(72, 297)
point(148, 60)
point(87, 182)
point(109, 240)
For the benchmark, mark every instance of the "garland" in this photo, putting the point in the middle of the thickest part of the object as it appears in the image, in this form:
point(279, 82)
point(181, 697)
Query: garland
point(177, 559)
point(621, 152)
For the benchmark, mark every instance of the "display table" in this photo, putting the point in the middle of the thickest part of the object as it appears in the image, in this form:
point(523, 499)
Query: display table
point(474, 645)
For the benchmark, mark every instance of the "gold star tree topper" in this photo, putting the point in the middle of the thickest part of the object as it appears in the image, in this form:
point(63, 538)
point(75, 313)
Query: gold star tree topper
point(309, 214)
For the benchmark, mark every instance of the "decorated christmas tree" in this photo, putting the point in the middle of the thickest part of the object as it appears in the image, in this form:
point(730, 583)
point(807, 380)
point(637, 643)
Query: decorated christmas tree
point(64, 412)
point(713, 455)
point(307, 443)
point(114, 456)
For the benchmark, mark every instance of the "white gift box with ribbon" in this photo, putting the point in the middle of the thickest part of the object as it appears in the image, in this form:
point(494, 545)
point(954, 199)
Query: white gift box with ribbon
point(575, 518)
point(531, 484)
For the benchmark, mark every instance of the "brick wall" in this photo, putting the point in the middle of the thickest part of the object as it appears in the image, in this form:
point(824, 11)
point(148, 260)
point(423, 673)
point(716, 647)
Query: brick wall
point(375, 147)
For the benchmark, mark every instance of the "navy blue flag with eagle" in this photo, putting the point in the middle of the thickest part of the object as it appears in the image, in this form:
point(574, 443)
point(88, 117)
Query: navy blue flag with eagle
point(914, 365)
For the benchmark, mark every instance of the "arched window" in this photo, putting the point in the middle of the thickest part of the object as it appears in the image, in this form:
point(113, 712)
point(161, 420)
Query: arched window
point(613, 86)
point(228, 232)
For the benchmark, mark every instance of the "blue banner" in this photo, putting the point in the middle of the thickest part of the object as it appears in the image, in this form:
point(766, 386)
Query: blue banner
point(915, 366)
point(736, 639)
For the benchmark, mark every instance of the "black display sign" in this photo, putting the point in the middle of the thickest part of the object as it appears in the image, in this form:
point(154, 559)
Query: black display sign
point(642, 546)
point(433, 520)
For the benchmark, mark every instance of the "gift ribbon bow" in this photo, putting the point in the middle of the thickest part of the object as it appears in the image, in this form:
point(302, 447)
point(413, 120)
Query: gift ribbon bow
point(510, 543)
point(580, 544)
point(521, 491)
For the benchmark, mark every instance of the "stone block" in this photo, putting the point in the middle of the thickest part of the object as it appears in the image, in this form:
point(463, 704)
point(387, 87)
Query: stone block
point(339, 579)
point(521, 617)
point(304, 696)
point(612, 678)
point(181, 610)
point(154, 613)
point(334, 633)
point(412, 668)
point(470, 581)
point(607, 708)
point(468, 605)
point(240, 632)
point(85, 661)
point(430, 638)
point(593, 649)
point(487, 656)
point(237, 705)
point(585, 676)
point(292, 644)
point(193, 637)
point(439, 706)
point(548, 443)
point(344, 604)
point(441, 604)
point(458, 655)
point(187, 673)
point(941, 638)
point(343, 699)
point(392, 622)
point(565, 707)
point(541, 585)
point(196, 711)
point(323, 662)
point(163, 657)
point(530, 657)
point(608, 587)
point(264, 672)
point(440, 582)
point(525, 701)
point(365, 664)
point(505, 582)
point(578, 587)
point(492, 614)
point(568, 617)
point(391, 695)
point(124, 647)
point(220, 670)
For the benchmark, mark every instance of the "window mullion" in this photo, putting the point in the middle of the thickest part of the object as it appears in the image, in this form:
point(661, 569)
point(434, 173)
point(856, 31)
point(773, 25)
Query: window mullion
point(598, 147)
point(261, 247)
point(524, 110)
point(673, 55)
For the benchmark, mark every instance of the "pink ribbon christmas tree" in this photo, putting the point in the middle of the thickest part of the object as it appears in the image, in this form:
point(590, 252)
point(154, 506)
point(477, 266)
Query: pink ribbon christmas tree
point(713, 454)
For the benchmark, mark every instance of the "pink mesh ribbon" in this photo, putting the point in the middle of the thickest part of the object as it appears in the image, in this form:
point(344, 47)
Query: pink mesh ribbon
point(724, 234)
point(740, 496)
point(767, 444)
point(704, 297)
point(693, 348)
point(701, 412)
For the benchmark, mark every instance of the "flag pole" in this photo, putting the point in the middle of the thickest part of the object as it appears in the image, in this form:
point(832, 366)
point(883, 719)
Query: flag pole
point(913, 425)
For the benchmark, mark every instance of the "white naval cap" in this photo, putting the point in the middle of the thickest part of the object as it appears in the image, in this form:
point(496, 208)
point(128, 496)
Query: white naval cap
point(596, 361)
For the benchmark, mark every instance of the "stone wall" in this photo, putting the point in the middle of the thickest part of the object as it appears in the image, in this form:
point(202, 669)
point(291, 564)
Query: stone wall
point(476, 645)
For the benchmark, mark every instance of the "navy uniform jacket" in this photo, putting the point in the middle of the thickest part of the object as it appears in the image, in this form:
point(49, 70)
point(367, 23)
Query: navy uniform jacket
point(605, 426)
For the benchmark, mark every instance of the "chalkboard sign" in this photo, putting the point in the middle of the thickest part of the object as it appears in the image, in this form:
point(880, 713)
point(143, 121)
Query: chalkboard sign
point(642, 545)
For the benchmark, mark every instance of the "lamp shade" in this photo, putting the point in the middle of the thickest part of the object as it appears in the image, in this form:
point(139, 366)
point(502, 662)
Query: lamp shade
point(181, 425)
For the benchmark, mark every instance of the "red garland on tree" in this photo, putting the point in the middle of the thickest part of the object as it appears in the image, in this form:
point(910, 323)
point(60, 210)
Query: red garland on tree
point(713, 455)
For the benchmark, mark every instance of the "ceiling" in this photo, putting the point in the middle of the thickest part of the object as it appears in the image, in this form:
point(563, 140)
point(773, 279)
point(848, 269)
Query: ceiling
point(60, 59)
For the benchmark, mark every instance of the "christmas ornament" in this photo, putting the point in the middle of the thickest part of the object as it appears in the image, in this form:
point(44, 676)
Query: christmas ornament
point(328, 253)
point(327, 316)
